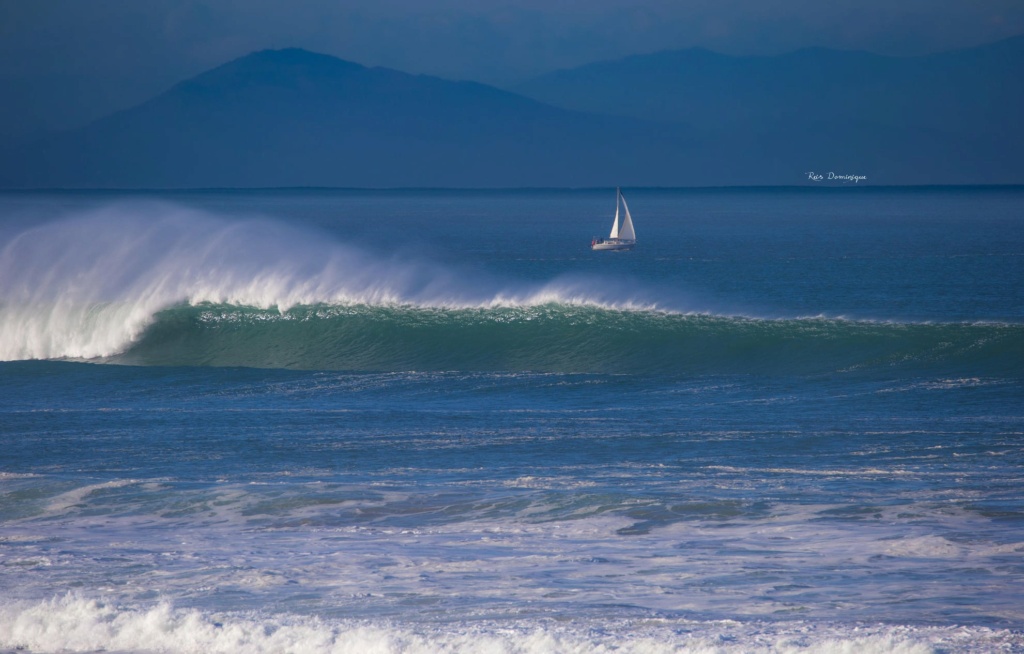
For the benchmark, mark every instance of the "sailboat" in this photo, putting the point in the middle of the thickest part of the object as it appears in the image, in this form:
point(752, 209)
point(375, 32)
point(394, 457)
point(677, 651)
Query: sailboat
point(622, 237)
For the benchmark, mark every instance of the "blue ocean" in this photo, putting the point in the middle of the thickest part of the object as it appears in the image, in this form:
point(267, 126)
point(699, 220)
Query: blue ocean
point(790, 420)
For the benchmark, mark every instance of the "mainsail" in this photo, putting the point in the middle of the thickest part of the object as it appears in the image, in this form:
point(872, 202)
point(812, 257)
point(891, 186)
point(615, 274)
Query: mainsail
point(615, 225)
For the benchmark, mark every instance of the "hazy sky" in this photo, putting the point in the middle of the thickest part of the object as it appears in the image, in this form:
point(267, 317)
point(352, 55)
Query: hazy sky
point(63, 62)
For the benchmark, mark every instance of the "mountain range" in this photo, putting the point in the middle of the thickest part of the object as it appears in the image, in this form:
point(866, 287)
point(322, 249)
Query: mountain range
point(290, 117)
point(952, 117)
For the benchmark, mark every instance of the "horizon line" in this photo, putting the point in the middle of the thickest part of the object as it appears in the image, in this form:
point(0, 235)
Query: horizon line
point(209, 189)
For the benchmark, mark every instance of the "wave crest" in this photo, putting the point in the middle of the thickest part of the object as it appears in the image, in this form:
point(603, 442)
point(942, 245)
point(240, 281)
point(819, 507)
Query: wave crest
point(561, 337)
point(155, 284)
point(88, 286)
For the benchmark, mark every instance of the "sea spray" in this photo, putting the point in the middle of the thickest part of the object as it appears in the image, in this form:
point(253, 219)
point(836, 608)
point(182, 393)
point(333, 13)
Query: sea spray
point(88, 285)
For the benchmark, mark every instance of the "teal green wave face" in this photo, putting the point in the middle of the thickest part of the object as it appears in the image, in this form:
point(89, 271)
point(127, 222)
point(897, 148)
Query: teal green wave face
point(558, 337)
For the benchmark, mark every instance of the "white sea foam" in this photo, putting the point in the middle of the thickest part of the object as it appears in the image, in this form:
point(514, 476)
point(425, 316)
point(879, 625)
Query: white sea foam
point(820, 472)
point(7, 476)
point(77, 624)
point(929, 546)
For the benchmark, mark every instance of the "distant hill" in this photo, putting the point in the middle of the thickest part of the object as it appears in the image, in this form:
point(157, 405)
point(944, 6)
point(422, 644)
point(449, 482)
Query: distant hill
point(687, 118)
point(296, 118)
point(951, 117)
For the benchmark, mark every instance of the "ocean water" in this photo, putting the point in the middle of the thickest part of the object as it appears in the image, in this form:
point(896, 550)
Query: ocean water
point(434, 421)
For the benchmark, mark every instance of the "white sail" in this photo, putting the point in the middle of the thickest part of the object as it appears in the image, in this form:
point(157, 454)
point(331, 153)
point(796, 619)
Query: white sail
point(615, 225)
point(626, 233)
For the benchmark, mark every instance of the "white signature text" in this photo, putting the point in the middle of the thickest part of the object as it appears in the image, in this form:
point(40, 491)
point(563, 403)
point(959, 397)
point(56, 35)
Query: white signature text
point(818, 177)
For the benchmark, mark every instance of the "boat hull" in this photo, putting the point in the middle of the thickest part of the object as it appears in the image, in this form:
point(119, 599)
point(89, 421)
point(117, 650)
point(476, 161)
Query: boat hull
point(612, 244)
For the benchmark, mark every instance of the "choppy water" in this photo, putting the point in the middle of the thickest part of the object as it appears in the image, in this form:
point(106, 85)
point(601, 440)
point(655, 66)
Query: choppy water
point(435, 421)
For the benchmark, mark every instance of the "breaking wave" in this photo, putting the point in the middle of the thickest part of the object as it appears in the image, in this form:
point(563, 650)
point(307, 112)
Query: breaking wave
point(555, 337)
point(75, 624)
point(160, 285)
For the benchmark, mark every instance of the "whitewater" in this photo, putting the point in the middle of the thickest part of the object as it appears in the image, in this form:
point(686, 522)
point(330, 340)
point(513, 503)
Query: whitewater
point(435, 421)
